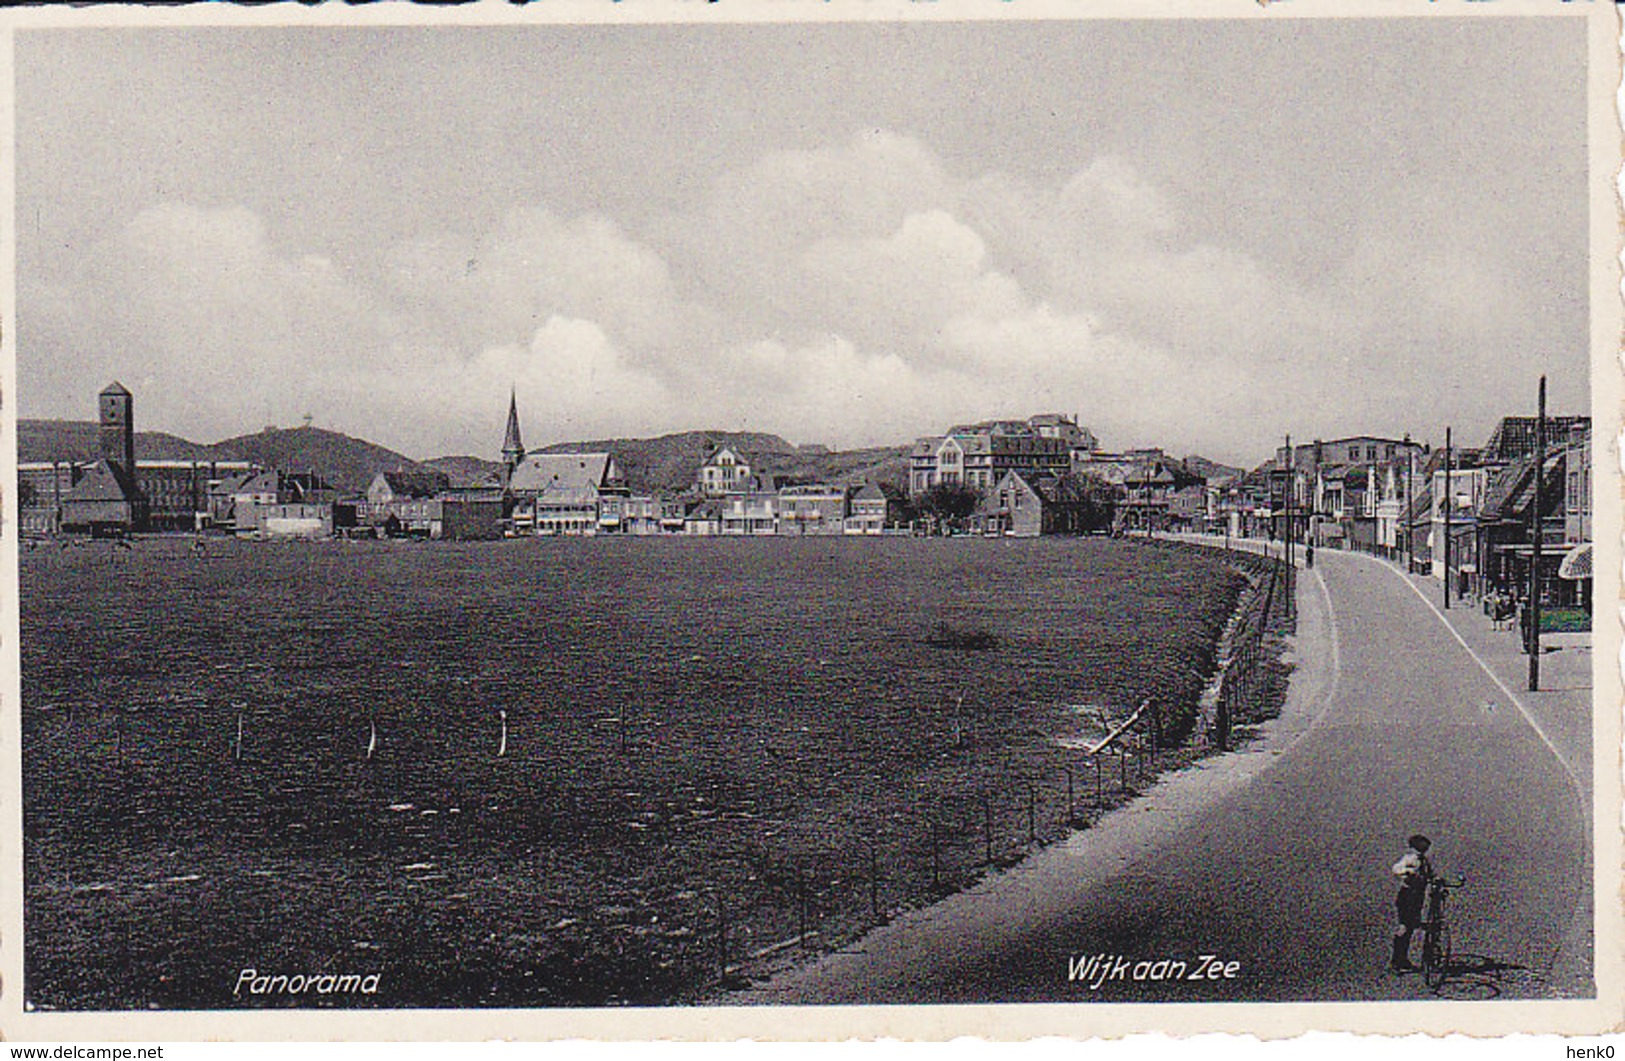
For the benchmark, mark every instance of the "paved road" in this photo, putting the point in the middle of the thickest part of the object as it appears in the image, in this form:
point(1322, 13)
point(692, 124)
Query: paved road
point(1277, 858)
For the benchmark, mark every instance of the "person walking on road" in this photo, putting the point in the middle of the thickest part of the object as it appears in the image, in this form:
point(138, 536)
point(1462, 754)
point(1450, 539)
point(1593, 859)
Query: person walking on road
point(1414, 871)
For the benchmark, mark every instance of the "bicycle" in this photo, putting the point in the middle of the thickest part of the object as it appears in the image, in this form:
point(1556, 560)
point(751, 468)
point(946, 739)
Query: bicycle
point(1436, 931)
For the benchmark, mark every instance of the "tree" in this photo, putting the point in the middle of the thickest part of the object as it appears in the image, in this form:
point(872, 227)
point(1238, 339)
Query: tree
point(1097, 503)
point(949, 502)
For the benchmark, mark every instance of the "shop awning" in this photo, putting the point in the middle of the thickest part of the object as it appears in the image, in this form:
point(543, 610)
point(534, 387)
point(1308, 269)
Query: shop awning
point(1576, 566)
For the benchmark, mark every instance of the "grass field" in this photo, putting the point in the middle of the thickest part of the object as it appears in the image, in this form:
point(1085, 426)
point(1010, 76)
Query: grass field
point(712, 748)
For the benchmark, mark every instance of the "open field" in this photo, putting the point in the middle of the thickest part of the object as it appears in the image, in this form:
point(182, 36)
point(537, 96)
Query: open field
point(712, 747)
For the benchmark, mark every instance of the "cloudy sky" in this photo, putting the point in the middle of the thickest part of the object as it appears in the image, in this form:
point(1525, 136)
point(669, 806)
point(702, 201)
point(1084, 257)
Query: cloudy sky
point(1198, 235)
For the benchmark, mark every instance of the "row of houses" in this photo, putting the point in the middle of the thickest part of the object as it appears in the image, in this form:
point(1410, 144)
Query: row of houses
point(1044, 475)
point(118, 493)
point(236, 497)
point(586, 494)
point(1463, 513)
point(534, 494)
point(1055, 468)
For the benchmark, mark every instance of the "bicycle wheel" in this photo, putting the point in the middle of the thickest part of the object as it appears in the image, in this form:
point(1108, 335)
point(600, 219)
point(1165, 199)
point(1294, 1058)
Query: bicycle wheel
point(1436, 956)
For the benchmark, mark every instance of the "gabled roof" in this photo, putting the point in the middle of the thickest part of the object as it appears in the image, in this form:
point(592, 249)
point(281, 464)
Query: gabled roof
point(255, 483)
point(1514, 436)
point(232, 484)
point(706, 510)
point(415, 484)
point(567, 494)
point(302, 485)
point(104, 481)
point(739, 456)
point(1420, 507)
point(1513, 488)
point(116, 387)
point(1161, 471)
point(540, 471)
point(1054, 489)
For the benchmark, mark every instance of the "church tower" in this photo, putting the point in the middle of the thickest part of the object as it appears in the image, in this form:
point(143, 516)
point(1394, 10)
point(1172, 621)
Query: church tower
point(513, 448)
point(116, 407)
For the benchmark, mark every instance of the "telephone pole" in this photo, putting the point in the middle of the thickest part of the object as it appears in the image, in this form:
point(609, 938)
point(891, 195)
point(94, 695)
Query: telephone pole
point(1537, 531)
point(1405, 506)
point(1291, 528)
point(1444, 502)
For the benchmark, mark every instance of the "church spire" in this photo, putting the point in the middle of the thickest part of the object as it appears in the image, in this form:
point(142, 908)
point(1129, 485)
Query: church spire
point(513, 449)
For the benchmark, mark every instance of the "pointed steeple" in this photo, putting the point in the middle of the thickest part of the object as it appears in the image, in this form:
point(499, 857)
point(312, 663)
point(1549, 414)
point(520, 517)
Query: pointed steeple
point(513, 448)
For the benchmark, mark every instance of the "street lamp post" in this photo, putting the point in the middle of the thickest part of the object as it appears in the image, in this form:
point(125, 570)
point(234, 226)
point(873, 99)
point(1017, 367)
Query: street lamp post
point(1445, 502)
point(1405, 505)
point(1537, 532)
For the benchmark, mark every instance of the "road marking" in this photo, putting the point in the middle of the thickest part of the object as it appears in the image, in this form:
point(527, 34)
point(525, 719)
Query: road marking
point(1574, 778)
point(1337, 655)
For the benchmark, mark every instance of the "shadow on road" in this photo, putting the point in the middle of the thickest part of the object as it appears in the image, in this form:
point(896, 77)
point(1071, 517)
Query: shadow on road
point(1474, 977)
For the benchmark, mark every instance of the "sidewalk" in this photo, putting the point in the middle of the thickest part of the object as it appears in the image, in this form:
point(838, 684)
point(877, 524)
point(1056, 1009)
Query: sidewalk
point(1563, 712)
point(1562, 709)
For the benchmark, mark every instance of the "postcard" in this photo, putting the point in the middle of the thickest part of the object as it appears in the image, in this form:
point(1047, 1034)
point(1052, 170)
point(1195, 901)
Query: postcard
point(811, 521)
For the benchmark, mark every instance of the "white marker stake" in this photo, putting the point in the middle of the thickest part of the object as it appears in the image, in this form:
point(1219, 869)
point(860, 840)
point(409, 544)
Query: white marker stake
point(238, 750)
point(502, 749)
point(372, 739)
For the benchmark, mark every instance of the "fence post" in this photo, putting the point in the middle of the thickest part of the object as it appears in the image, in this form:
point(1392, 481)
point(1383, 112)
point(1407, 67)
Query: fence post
point(1100, 791)
point(1071, 805)
point(987, 828)
point(722, 935)
point(801, 905)
point(936, 858)
point(1032, 812)
point(874, 880)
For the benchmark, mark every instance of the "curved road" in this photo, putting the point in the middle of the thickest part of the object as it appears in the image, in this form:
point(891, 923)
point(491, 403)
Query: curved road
point(1277, 858)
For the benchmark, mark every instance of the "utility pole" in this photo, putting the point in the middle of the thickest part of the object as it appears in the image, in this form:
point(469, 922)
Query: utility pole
point(1444, 501)
point(1405, 505)
point(1286, 503)
point(1537, 531)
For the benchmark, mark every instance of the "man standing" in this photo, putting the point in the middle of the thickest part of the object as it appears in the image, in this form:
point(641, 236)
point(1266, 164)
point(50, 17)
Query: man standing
point(1414, 871)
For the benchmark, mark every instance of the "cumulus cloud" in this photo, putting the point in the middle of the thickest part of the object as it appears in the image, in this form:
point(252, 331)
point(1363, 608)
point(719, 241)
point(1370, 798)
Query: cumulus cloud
point(499, 286)
point(745, 248)
point(901, 289)
point(196, 310)
point(574, 377)
point(854, 294)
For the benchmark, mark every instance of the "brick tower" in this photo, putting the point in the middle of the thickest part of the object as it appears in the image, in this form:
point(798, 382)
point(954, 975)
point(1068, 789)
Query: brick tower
point(116, 407)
